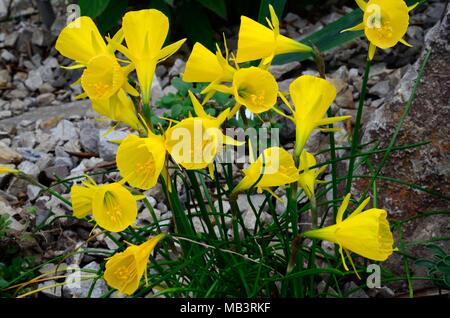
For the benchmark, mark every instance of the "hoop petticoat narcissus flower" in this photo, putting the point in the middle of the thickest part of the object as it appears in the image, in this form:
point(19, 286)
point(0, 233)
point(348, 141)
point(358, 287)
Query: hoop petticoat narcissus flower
point(253, 87)
point(141, 160)
point(112, 206)
point(195, 141)
point(308, 177)
point(124, 270)
point(385, 22)
point(274, 167)
point(104, 81)
point(145, 32)
point(203, 66)
point(257, 42)
point(365, 233)
point(311, 96)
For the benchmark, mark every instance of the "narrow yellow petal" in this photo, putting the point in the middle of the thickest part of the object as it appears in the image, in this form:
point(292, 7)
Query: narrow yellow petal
point(357, 27)
point(342, 208)
point(170, 49)
point(403, 41)
point(361, 4)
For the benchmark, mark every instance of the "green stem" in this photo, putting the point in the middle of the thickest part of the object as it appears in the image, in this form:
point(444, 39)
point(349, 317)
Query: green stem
point(296, 243)
point(355, 138)
point(243, 116)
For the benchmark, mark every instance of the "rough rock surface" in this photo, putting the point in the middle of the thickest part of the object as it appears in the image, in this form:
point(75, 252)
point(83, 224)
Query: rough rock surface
point(427, 166)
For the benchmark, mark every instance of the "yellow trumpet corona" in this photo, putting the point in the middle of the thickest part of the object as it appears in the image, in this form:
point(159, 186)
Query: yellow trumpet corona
point(124, 270)
point(365, 233)
point(257, 42)
point(113, 207)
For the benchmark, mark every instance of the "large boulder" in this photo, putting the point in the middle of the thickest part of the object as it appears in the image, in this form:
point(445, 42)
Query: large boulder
point(427, 166)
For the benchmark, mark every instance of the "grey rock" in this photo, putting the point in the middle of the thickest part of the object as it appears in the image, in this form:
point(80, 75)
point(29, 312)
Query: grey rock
point(156, 192)
point(33, 192)
point(107, 148)
point(345, 99)
point(5, 78)
point(64, 161)
point(355, 293)
point(279, 70)
point(8, 155)
point(7, 56)
point(161, 70)
point(26, 139)
point(381, 89)
point(151, 200)
point(30, 154)
point(34, 80)
point(427, 166)
point(78, 283)
point(38, 37)
point(89, 138)
point(53, 292)
point(17, 106)
point(11, 39)
point(5, 114)
point(46, 88)
point(156, 91)
point(60, 171)
point(65, 130)
point(177, 68)
point(161, 207)
point(45, 99)
point(29, 167)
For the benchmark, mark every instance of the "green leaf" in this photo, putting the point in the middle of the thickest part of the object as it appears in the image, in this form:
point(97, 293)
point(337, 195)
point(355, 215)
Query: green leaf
point(278, 6)
point(424, 263)
point(437, 250)
point(328, 37)
point(182, 87)
point(196, 25)
point(217, 6)
point(111, 15)
point(177, 110)
point(93, 8)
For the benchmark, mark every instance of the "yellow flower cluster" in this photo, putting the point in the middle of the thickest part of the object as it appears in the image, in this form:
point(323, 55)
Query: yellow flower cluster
point(193, 143)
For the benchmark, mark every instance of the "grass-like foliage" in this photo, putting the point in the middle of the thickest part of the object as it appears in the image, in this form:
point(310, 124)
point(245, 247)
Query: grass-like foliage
point(253, 229)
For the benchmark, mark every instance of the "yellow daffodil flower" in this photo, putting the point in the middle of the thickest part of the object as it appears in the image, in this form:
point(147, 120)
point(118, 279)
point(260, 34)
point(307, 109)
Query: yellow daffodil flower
point(145, 32)
point(113, 207)
point(308, 176)
point(385, 22)
point(5, 170)
point(253, 87)
point(141, 160)
point(203, 66)
point(257, 42)
point(194, 142)
point(276, 166)
point(105, 83)
point(312, 96)
point(124, 270)
point(365, 233)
